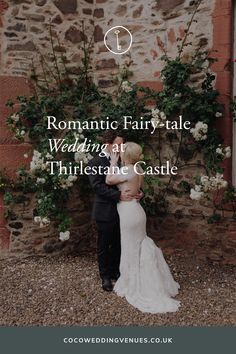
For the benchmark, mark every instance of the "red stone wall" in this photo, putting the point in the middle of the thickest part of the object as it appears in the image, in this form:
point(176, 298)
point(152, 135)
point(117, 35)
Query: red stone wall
point(11, 151)
point(223, 47)
point(185, 229)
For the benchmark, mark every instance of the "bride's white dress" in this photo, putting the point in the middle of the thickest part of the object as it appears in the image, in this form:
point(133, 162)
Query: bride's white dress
point(145, 281)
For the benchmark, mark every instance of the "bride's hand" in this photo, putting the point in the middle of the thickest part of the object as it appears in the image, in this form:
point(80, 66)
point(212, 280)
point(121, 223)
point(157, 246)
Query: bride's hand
point(114, 158)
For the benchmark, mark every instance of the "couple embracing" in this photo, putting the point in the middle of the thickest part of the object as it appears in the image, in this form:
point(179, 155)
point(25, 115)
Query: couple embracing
point(126, 255)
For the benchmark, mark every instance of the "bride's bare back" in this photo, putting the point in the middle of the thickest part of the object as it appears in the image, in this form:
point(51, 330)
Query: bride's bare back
point(133, 181)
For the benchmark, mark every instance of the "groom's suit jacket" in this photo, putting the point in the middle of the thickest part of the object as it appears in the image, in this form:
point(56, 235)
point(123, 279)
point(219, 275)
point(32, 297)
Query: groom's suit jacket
point(106, 197)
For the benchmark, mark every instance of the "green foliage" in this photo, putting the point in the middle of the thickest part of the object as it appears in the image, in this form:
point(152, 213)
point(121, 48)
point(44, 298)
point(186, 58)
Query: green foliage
point(8, 198)
point(78, 99)
point(188, 90)
point(233, 108)
point(214, 218)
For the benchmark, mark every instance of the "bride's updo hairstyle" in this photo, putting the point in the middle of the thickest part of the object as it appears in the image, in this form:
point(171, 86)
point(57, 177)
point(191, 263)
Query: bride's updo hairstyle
point(133, 152)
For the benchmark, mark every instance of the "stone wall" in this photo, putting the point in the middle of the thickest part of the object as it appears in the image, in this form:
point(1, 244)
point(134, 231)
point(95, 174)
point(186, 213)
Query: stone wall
point(27, 238)
point(156, 27)
point(191, 235)
point(26, 35)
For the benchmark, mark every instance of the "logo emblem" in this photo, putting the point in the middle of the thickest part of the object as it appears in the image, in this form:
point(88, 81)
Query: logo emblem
point(118, 40)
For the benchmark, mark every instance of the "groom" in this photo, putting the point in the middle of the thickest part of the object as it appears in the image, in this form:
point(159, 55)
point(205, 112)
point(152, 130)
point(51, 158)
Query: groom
point(106, 215)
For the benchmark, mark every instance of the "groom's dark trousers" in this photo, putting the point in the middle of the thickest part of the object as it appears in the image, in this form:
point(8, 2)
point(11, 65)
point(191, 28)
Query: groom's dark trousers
point(107, 220)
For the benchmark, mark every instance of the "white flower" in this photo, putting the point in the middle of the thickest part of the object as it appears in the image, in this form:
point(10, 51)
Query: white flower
point(205, 183)
point(22, 132)
point(126, 86)
point(199, 131)
point(15, 117)
point(49, 156)
point(218, 181)
point(198, 188)
point(163, 116)
point(156, 113)
point(214, 182)
point(40, 180)
point(37, 162)
point(228, 152)
point(208, 184)
point(158, 118)
point(219, 151)
point(37, 219)
point(218, 114)
point(72, 178)
point(204, 179)
point(68, 182)
point(44, 166)
point(64, 184)
point(78, 156)
point(196, 195)
point(224, 184)
point(81, 156)
point(64, 236)
point(37, 154)
point(224, 152)
point(44, 222)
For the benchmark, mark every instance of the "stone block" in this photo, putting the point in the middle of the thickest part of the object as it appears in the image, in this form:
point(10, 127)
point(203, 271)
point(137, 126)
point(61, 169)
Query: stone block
point(98, 13)
point(4, 239)
point(66, 7)
point(11, 87)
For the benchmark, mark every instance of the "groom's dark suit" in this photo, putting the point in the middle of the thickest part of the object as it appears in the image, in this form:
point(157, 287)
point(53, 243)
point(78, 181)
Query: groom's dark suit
point(107, 219)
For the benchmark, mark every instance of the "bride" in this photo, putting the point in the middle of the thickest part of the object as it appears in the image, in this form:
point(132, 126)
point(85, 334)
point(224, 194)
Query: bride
point(145, 278)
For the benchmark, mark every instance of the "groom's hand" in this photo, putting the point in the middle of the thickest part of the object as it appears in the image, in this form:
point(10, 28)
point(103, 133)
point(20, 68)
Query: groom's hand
point(126, 196)
point(139, 195)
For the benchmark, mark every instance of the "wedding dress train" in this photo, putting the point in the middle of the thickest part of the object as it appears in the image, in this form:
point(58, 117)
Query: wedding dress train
point(145, 281)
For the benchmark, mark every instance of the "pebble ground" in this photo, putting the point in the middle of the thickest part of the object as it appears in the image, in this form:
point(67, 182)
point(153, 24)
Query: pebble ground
point(66, 291)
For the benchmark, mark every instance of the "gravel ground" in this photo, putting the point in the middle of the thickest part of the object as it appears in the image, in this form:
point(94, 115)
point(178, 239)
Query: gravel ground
point(66, 290)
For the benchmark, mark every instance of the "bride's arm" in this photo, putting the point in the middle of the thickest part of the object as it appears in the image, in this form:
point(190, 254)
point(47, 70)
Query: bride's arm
point(115, 179)
point(115, 175)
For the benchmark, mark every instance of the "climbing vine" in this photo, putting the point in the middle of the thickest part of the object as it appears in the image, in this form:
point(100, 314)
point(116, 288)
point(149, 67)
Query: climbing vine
point(188, 93)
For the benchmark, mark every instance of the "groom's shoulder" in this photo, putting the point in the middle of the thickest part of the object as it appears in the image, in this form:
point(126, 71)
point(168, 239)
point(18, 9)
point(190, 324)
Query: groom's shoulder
point(96, 160)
